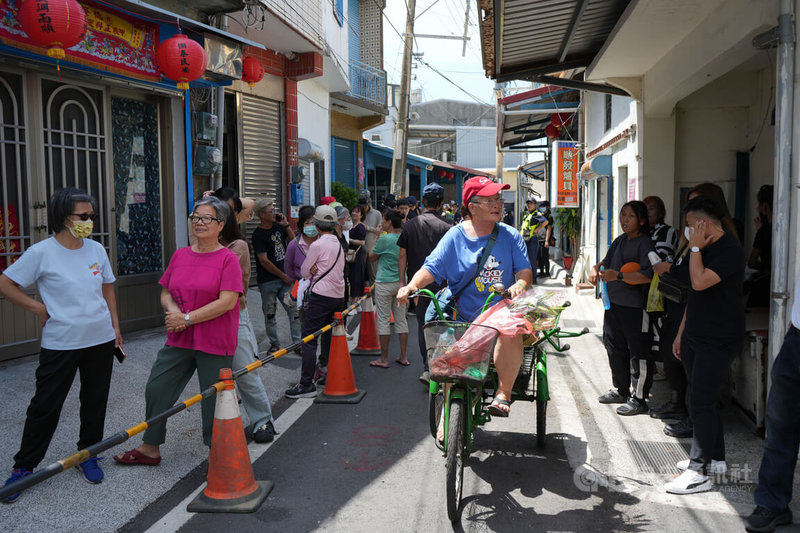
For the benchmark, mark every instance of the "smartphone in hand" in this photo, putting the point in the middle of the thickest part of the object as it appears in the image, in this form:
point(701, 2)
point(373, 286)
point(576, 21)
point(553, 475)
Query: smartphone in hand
point(119, 354)
point(278, 217)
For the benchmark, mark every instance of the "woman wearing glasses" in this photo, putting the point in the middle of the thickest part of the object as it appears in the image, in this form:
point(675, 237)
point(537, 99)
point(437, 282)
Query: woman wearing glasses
point(200, 291)
point(456, 260)
point(80, 329)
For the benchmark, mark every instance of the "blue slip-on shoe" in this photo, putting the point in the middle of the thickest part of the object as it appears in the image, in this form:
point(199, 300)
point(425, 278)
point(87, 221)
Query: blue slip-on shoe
point(16, 475)
point(91, 471)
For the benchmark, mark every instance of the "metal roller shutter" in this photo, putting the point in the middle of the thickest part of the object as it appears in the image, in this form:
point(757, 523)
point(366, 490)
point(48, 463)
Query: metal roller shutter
point(262, 167)
point(307, 199)
point(261, 158)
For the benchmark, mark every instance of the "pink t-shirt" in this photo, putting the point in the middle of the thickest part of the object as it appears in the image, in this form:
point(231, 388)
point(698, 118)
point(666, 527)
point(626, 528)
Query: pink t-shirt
point(324, 252)
point(195, 280)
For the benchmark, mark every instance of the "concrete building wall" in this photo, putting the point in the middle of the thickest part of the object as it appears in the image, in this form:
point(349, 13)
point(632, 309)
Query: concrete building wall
point(305, 16)
point(371, 15)
point(732, 114)
point(314, 124)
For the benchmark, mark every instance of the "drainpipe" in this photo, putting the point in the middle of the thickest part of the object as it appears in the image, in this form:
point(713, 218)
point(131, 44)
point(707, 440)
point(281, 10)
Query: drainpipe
point(784, 143)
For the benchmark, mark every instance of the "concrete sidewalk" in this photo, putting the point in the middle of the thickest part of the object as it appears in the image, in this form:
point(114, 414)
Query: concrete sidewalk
point(66, 502)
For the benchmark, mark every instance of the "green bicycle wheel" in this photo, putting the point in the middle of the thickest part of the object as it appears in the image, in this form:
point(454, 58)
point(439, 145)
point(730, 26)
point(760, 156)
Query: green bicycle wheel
point(435, 406)
point(456, 455)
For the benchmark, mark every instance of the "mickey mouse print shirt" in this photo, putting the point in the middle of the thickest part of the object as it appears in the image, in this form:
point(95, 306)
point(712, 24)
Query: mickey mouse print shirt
point(456, 257)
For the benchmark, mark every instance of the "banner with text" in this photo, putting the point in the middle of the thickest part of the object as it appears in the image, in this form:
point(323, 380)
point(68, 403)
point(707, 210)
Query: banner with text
point(564, 174)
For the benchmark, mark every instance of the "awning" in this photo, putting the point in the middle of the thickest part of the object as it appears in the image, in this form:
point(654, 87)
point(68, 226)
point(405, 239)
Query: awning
point(596, 167)
point(524, 116)
point(162, 15)
point(521, 39)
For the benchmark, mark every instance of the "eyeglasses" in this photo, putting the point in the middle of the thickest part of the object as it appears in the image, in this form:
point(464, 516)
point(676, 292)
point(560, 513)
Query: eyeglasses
point(204, 220)
point(85, 216)
point(489, 201)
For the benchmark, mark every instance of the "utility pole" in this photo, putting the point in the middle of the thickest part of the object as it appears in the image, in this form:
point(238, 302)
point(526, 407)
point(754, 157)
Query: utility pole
point(499, 90)
point(401, 130)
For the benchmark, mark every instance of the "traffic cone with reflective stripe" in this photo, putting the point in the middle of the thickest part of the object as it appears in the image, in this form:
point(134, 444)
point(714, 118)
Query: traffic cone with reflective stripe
point(231, 486)
point(368, 343)
point(340, 385)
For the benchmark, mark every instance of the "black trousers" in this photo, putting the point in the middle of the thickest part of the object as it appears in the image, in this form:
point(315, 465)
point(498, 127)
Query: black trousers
point(544, 259)
point(54, 377)
point(319, 313)
point(707, 364)
point(628, 346)
point(673, 367)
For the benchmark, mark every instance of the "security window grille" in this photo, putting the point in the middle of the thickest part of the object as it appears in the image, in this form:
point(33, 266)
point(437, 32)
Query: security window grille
point(608, 112)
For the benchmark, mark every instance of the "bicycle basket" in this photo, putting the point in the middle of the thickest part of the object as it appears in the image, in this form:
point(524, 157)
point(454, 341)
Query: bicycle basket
point(459, 351)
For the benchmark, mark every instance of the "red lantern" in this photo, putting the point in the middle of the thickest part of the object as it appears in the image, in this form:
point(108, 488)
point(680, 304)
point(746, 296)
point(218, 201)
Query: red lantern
point(181, 59)
point(561, 120)
point(450, 175)
point(56, 24)
point(552, 132)
point(442, 173)
point(252, 70)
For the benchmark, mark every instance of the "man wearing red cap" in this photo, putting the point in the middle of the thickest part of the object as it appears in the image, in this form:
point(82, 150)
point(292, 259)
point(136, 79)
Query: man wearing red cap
point(471, 257)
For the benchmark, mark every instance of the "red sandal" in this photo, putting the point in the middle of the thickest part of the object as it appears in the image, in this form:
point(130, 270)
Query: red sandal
point(135, 457)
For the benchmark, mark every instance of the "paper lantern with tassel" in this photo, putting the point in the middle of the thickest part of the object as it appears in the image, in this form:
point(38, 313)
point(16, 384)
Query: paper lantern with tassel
point(55, 24)
point(181, 59)
point(252, 70)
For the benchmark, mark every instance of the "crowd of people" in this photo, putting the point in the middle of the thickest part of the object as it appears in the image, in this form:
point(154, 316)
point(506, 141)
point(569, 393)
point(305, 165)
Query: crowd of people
point(402, 247)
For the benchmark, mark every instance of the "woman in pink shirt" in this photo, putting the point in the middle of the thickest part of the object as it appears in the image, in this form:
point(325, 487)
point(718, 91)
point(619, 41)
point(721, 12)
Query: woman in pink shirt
point(324, 266)
point(200, 291)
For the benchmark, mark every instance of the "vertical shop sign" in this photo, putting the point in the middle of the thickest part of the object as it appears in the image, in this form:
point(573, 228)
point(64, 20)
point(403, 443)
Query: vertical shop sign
point(564, 174)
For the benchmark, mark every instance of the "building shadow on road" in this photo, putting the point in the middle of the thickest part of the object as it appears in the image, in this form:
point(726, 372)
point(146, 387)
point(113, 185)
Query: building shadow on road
point(554, 497)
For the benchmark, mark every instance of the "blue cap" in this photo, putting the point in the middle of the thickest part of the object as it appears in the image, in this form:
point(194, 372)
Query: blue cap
point(433, 190)
point(411, 200)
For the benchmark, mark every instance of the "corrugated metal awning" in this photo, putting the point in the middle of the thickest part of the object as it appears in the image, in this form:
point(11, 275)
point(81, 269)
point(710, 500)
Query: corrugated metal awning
point(523, 39)
point(524, 116)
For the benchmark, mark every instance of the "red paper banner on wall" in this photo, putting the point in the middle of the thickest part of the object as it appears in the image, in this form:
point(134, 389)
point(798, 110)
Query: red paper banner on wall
point(114, 42)
point(564, 177)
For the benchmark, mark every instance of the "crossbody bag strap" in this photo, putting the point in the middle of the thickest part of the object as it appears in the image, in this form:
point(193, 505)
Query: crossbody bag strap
point(487, 250)
point(327, 271)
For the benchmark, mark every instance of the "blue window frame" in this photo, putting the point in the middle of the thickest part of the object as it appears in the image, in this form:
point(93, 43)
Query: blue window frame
point(338, 10)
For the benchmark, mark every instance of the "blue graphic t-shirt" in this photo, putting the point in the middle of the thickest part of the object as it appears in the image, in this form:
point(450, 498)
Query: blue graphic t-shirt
point(456, 257)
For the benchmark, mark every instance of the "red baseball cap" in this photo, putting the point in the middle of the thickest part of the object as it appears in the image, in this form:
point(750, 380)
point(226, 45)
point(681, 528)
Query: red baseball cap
point(326, 200)
point(481, 186)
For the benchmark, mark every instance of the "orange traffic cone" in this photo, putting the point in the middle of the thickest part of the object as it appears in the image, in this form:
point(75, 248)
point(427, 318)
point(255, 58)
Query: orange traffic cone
point(230, 487)
point(340, 385)
point(368, 343)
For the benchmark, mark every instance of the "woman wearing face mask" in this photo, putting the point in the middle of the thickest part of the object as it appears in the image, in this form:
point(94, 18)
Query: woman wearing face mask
point(624, 328)
point(709, 337)
point(358, 234)
point(297, 251)
point(80, 328)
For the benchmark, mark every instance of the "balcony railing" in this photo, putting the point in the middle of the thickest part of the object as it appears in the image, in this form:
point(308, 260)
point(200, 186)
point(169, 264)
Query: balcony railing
point(367, 83)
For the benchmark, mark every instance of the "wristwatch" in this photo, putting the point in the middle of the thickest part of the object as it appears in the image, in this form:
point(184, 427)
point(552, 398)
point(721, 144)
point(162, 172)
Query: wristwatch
point(187, 320)
point(694, 249)
point(619, 276)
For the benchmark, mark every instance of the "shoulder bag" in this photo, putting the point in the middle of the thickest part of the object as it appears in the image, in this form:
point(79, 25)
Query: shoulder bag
point(449, 301)
point(307, 293)
point(673, 289)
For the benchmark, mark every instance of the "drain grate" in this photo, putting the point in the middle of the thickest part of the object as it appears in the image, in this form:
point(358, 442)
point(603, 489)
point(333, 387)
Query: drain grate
point(658, 457)
point(577, 323)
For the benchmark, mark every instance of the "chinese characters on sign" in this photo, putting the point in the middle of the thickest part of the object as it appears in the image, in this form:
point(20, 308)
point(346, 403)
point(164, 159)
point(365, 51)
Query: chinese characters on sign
point(564, 174)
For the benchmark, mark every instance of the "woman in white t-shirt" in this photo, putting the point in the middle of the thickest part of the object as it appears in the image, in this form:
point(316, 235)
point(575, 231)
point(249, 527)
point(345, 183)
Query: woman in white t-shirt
point(80, 328)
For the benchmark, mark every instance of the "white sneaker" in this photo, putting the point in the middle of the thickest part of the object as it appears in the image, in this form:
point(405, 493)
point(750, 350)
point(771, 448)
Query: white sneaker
point(717, 467)
point(688, 483)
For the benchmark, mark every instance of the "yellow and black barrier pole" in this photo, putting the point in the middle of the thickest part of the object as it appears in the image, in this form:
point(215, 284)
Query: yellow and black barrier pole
point(91, 451)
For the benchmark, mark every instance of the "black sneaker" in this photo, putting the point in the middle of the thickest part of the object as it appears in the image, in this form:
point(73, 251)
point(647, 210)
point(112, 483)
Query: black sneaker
point(634, 406)
point(682, 429)
point(612, 396)
point(669, 410)
point(763, 520)
point(301, 391)
point(264, 433)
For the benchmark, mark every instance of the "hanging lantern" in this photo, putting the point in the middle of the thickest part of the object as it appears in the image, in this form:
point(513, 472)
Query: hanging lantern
point(561, 120)
point(181, 59)
point(55, 24)
point(441, 173)
point(450, 175)
point(252, 70)
point(552, 132)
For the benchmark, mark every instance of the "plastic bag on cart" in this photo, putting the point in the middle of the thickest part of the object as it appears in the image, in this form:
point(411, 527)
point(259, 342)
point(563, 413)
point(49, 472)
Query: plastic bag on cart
point(529, 312)
point(505, 320)
point(467, 357)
